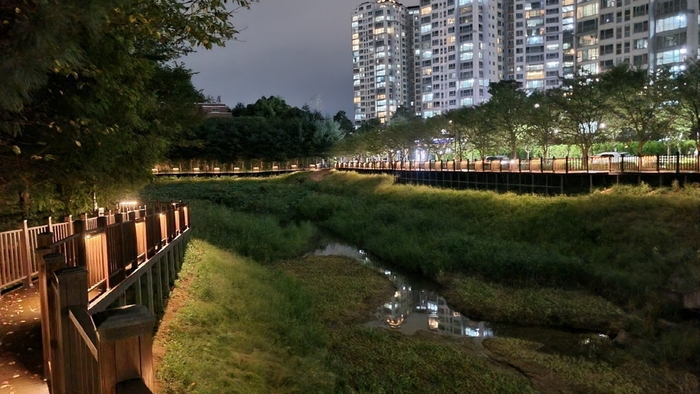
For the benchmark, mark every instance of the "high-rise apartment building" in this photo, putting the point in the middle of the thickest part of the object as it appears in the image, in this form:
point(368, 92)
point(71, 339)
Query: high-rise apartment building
point(382, 34)
point(459, 52)
point(460, 46)
point(539, 42)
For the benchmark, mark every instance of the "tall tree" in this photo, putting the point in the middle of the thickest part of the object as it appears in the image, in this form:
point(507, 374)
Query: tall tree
point(507, 113)
point(101, 105)
point(585, 106)
point(688, 88)
point(643, 105)
point(476, 127)
point(543, 118)
point(345, 124)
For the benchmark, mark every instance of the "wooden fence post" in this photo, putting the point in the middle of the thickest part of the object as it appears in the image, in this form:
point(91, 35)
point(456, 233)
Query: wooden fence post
point(26, 255)
point(69, 219)
point(70, 289)
point(79, 227)
point(124, 345)
point(44, 241)
point(102, 223)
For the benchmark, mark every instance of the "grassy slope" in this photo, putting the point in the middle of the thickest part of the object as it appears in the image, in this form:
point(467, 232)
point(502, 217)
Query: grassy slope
point(236, 326)
point(240, 328)
point(619, 245)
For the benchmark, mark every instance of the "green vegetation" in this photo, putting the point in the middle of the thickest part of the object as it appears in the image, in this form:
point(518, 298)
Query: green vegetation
point(544, 306)
point(269, 129)
point(625, 107)
point(588, 262)
point(92, 94)
point(617, 245)
point(591, 375)
point(236, 326)
point(239, 328)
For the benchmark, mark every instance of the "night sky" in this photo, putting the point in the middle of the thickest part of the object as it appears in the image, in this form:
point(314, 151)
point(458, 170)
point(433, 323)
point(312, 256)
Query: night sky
point(299, 50)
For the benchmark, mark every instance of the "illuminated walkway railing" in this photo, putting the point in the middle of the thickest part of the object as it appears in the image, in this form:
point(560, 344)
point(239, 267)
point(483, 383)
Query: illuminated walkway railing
point(613, 165)
point(208, 167)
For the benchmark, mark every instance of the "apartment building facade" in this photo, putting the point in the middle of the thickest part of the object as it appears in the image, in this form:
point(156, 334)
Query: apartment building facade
point(382, 34)
point(459, 52)
point(460, 46)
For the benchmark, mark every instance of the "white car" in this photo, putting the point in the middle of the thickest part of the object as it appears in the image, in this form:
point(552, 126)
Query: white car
point(613, 157)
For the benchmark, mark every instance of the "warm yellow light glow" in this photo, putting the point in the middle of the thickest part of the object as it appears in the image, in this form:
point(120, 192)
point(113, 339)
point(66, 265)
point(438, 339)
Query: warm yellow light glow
point(433, 321)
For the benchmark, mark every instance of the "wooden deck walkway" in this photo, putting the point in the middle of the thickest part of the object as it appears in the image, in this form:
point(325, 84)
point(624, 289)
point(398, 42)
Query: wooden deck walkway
point(20, 343)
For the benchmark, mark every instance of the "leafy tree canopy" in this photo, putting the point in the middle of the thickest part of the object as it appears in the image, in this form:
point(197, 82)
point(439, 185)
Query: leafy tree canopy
point(268, 129)
point(90, 97)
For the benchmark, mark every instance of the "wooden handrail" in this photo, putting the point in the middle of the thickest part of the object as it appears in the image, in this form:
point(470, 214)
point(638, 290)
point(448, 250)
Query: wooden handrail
point(17, 247)
point(564, 165)
point(83, 332)
point(82, 322)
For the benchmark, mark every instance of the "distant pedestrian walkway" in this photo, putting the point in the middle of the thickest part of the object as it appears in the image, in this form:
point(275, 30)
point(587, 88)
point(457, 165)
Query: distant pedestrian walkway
point(20, 343)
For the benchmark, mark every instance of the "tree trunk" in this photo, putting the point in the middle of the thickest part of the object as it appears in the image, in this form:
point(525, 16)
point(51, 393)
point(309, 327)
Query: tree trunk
point(24, 203)
point(640, 147)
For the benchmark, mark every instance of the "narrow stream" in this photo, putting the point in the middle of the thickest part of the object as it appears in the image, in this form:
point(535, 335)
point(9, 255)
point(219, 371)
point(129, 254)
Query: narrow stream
point(418, 305)
point(415, 305)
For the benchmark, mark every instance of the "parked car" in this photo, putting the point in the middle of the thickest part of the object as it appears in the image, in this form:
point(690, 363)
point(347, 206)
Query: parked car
point(613, 157)
point(501, 158)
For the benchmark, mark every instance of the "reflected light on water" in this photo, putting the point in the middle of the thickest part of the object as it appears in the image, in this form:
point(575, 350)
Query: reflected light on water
point(411, 309)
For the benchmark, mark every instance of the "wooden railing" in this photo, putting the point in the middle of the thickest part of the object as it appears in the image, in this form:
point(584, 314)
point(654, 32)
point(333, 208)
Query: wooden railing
point(208, 167)
point(17, 247)
point(106, 353)
point(623, 164)
point(93, 343)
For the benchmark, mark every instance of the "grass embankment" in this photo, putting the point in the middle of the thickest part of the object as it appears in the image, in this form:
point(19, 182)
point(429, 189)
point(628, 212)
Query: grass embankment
point(557, 261)
point(289, 326)
point(618, 245)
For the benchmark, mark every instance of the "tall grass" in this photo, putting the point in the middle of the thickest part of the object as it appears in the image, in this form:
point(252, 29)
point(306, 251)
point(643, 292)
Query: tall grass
point(241, 328)
point(261, 237)
point(621, 245)
point(288, 326)
point(236, 326)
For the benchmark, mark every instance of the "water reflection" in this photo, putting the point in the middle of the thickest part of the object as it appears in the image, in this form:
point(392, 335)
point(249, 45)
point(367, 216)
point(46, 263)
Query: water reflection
point(413, 307)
